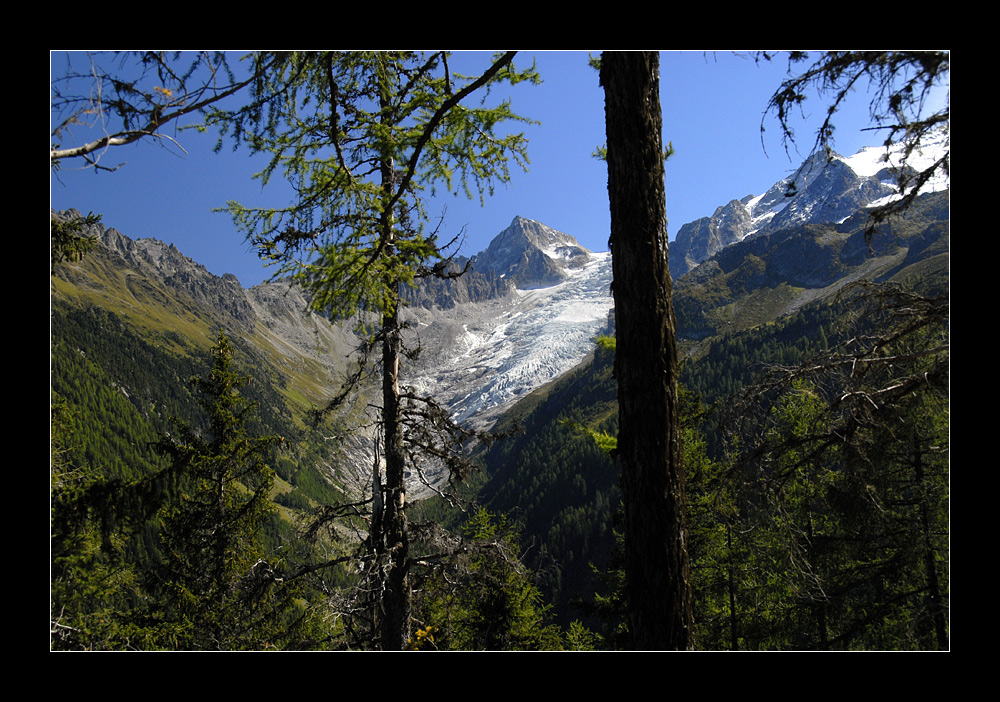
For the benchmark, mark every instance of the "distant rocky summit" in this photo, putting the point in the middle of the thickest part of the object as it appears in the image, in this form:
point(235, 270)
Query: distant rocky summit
point(531, 255)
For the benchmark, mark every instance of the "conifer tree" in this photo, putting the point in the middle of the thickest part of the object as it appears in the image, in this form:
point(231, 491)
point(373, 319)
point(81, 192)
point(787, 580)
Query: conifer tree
point(486, 600)
point(67, 239)
point(113, 98)
point(221, 592)
point(90, 582)
point(842, 485)
point(361, 137)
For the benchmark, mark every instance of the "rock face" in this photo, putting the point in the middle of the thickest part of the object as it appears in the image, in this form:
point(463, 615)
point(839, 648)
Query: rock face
point(527, 255)
point(523, 312)
point(699, 240)
point(454, 289)
point(481, 357)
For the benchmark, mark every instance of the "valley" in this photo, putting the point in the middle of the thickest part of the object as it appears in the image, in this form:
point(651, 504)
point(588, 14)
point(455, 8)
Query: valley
point(511, 342)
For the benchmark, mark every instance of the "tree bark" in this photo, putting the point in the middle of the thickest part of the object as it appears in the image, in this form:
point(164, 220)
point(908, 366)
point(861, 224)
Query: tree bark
point(658, 587)
point(393, 618)
point(394, 621)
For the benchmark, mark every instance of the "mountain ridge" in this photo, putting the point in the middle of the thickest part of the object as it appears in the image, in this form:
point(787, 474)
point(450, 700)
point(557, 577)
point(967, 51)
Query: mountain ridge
point(531, 255)
point(474, 358)
point(526, 310)
point(825, 188)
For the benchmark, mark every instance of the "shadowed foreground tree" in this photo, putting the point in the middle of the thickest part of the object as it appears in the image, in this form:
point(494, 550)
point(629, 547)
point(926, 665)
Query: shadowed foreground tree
point(873, 464)
point(361, 136)
point(658, 589)
point(89, 580)
point(205, 582)
point(484, 599)
point(842, 488)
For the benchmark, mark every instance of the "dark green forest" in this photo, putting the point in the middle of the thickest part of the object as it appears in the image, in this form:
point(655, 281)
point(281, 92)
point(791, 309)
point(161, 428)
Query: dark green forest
point(813, 523)
point(815, 445)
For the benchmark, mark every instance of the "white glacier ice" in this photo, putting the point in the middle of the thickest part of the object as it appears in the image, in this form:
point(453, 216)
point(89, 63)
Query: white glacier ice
point(505, 350)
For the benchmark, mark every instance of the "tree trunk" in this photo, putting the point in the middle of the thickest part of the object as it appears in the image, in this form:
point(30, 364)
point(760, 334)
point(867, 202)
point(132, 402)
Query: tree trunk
point(394, 604)
point(658, 587)
point(395, 600)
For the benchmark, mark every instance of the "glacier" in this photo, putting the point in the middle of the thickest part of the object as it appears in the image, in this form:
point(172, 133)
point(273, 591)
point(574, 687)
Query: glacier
point(483, 357)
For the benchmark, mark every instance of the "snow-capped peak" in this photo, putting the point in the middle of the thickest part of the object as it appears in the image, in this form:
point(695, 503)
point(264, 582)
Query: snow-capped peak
point(822, 189)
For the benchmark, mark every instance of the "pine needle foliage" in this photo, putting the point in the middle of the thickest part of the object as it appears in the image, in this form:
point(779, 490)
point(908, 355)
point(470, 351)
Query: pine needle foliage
point(362, 138)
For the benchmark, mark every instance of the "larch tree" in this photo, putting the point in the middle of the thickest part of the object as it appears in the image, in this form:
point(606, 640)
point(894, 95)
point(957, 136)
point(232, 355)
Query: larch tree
point(838, 473)
point(362, 137)
point(843, 483)
point(658, 588)
point(887, 384)
point(101, 100)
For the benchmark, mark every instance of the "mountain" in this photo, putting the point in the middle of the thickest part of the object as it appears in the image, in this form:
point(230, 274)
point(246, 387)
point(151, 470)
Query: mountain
point(511, 339)
point(526, 255)
point(526, 311)
point(528, 307)
point(824, 189)
point(155, 287)
point(531, 255)
point(481, 357)
point(775, 273)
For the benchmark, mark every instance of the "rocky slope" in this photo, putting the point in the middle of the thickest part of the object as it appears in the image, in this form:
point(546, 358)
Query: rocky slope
point(487, 355)
point(529, 306)
point(772, 274)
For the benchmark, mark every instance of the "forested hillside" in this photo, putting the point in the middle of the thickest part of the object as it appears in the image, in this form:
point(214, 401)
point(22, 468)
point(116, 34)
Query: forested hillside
point(118, 388)
point(756, 391)
point(806, 532)
point(814, 524)
point(557, 482)
point(797, 552)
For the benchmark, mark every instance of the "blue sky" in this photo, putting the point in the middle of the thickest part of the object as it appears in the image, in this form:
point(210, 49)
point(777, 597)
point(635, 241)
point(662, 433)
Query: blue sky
point(713, 104)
